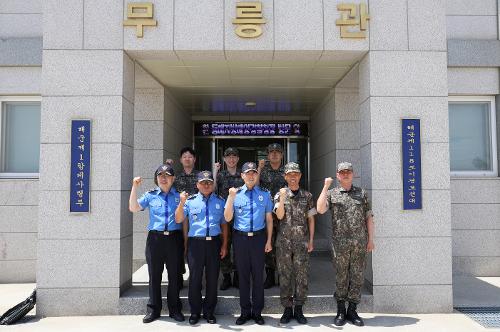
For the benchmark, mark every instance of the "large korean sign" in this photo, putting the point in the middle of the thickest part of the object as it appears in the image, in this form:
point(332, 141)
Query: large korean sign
point(80, 166)
point(412, 171)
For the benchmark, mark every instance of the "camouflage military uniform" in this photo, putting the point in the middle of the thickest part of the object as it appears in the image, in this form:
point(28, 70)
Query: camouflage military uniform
point(187, 182)
point(272, 180)
point(226, 180)
point(292, 257)
point(350, 237)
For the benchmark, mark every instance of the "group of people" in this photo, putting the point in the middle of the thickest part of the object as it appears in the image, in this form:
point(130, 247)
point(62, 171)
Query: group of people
point(261, 212)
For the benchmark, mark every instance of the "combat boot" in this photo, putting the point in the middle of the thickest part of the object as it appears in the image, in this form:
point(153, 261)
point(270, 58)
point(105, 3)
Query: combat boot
point(287, 316)
point(299, 315)
point(226, 281)
point(352, 315)
point(270, 281)
point(236, 280)
point(340, 318)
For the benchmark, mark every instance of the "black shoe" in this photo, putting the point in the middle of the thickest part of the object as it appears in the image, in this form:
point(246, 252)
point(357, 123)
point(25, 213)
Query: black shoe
point(178, 316)
point(352, 315)
point(270, 281)
point(194, 318)
point(287, 316)
point(299, 315)
point(243, 319)
point(226, 281)
point(258, 319)
point(340, 318)
point(150, 316)
point(210, 318)
point(236, 280)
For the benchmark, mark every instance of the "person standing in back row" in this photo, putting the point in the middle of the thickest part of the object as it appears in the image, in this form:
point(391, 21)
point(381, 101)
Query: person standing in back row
point(224, 180)
point(271, 177)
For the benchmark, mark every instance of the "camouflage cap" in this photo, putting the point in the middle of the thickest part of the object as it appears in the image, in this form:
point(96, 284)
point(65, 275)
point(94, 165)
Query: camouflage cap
point(274, 147)
point(231, 151)
point(205, 176)
point(249, 166)
point(292, 167)
point(344, 166)
point(165, 168)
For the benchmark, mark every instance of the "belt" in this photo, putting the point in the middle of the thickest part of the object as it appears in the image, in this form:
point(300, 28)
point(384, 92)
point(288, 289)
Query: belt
point(204, 238)
point(250, 233)
point(166, 232)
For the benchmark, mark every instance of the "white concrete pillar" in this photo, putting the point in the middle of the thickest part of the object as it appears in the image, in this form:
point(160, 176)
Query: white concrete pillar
point(405, 76)
point(84, 260)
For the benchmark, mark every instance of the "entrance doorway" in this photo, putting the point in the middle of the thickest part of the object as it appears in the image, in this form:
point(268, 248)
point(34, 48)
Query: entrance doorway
point(211, 150)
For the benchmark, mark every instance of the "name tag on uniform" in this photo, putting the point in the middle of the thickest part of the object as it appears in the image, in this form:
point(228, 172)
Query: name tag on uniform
point(166, 233)
point(250, 234)
point(208, 238)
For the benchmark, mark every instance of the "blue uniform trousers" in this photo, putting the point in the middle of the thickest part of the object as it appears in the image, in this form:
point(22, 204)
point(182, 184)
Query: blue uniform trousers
point(164, 250)
point(250, 256)
point(203, 255)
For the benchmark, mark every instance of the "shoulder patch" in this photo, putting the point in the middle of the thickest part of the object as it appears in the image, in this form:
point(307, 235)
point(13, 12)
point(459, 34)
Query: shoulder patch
point(191, 197)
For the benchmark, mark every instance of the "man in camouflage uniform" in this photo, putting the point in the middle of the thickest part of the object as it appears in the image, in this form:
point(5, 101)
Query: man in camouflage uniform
point(186, 181)
point(225, 179)
point(271, 177)
point(295, 210)
point(352, 232)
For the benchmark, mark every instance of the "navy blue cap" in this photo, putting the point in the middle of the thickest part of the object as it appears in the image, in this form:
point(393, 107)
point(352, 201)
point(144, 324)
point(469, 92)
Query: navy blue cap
point(249, 166)
point(165, 168)
point(205, 176)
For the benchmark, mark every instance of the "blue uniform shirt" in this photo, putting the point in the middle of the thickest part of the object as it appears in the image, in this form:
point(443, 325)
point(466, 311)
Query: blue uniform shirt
point(198, 209)
point(250, 208)
point(161, 208)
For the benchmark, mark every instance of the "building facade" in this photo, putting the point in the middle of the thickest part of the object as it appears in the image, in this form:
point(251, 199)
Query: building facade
point(436, 61)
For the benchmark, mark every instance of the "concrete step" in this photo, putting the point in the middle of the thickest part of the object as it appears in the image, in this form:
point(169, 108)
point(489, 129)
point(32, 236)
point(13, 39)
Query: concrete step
point(320, 299)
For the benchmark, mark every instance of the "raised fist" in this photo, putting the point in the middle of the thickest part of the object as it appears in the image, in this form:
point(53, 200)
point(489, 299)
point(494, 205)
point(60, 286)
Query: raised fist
point(262, 162)
point(183, 195)
point(232, 192)
point(137, 181)
point(283, 192)
point(217, 167)
point(328, 182)
point(169, 161)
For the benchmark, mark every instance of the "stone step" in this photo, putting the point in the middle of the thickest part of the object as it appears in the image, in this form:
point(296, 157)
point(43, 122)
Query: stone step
point(320, 299)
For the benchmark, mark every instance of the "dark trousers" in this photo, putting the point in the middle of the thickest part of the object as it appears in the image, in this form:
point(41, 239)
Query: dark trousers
point(250, 256)
point(164, 250)
point(202, 256)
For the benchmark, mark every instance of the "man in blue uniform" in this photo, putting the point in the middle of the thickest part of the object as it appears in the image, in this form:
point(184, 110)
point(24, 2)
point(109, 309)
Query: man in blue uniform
point(165, 240)
point(205, 215)
point(251, 208)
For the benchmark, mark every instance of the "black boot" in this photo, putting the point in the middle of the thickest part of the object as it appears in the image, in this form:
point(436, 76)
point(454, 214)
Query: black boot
point(287, 316)
point(269, 282)
point(236, 281)
point(299, 315)
point(340, 318)
point(352, 315)
point(226, 281)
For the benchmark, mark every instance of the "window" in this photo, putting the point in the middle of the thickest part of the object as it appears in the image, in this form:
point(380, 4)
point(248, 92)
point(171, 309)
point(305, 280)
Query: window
point(19, 137)
point(473, 146)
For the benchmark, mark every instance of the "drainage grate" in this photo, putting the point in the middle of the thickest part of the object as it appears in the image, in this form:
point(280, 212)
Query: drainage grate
point(488, 317)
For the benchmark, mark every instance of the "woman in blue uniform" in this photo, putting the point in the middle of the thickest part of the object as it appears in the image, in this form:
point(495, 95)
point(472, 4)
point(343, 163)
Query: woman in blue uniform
point(165, 241)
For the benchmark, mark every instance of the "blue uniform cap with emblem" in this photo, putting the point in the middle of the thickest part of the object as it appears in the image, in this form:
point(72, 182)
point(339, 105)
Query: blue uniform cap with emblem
point(205, 176)
point(274, 147)
point(249, 166)
point(165, 168)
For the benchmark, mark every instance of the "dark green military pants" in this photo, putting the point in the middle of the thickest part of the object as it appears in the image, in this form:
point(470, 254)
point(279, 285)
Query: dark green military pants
point(349, 258)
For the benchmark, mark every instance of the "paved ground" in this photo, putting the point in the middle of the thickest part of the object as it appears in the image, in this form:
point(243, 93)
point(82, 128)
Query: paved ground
point(467, 292)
